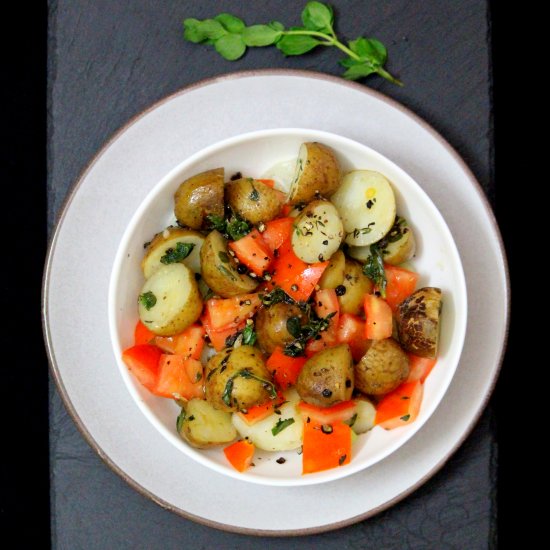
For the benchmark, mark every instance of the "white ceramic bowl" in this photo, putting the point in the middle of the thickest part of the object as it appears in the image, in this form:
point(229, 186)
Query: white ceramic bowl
point(437, 261)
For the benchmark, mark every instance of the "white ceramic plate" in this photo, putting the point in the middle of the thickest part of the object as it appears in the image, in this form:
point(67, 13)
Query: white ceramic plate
point(129, 166)
point(436, 260)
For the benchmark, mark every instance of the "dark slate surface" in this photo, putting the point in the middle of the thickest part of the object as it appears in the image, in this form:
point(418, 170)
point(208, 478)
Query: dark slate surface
point(108, 60)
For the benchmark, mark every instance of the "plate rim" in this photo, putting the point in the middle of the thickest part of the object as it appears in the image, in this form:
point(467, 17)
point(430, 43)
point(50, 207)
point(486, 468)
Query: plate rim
point(65, 206)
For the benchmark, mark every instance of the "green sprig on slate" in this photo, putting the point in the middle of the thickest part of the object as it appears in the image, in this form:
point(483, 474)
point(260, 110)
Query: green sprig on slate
point(231, 37)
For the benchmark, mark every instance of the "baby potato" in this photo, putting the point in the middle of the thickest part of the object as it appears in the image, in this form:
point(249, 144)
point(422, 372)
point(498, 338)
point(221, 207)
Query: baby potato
point(382, 368)
point(397, 247)
point(366, 202)
point(317, 173)
point(261, 433)
point(356, 285)
point(327, 378)
point(418, 322)
point(198, 197)
point(202, 426)
point(253, 200)
point(166, 242)
point(333, 275)
point(170, 300)
point(237, 379)
point(318, 232)
point(366, 414)
point(271, 325)
point(219, 270)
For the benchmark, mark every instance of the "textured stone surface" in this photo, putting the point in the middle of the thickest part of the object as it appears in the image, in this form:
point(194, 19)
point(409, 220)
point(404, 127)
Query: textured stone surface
point(110, 60)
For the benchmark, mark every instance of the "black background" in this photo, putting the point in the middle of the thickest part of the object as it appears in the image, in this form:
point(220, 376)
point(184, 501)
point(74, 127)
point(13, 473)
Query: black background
point(25, 454)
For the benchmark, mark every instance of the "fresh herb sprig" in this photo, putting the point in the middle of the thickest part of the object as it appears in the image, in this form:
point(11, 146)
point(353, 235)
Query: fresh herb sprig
point(230, 37)
point(233, 227)
point(175, 255)
point(303, 333)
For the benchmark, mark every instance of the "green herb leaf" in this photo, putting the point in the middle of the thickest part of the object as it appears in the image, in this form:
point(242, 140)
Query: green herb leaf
point(230, 46)
point(216, 222)
point(237, 228)
point(179, 420)
point(374, 269)
point(276, 296)
point(369, 49)
point(173, 256)
point(249, 335)
point(245, 373)
point(297, 44)
point(230, 22)
point(281, 425)
point(276, 26)
point(318, 17)
point(406, 417)
point(193, 31)
point(147, 300)
point(223, 256)
point(261, 35)
point(305, 332)
point(294, 327)
point(358, 71)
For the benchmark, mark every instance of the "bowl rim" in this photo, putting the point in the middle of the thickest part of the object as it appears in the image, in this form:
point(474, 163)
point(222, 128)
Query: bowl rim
point(459, 333)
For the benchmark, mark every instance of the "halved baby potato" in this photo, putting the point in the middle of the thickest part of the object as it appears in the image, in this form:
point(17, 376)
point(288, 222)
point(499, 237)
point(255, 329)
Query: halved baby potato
point(366, 202)
point(170, 300)
point(318, 232)
point(333, 275)
point(166, 242)
point(398, 246)
point(253, 200)
point(356, 284)
point(317, 173)
point(198, 197)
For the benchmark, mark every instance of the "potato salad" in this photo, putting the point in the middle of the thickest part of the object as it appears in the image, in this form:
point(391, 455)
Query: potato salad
point(282, 318)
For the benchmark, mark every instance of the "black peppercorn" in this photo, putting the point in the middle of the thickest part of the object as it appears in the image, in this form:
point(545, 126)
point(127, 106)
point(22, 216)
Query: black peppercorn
point(340, 290)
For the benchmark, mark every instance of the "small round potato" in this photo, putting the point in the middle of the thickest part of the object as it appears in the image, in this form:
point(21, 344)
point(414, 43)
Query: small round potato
point(333, 275)
point(318, 232)
point(418, 322)
point(170, 300)
point(271, 325)
point(237, 379)
point(382, 368)
point(327, 378)
point(219, 270)
point(356, 285)
point(253, 200)
point(317, 173)
point(167, 241)
point(198, 197)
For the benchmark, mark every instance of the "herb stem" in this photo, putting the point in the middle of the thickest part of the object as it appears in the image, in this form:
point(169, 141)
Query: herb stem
point(329, 41)
point(383, 73)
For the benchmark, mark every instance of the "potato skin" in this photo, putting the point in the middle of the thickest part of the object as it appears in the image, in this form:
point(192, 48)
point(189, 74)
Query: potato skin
point(418, 322)
point(270, 325)
point(357, 284)
point(253, 200)
point(246, 392)
point(333, 275)
point(219, 270)
point(327, 378)
point(382, 368)
point(320, 173)
point(199, 196)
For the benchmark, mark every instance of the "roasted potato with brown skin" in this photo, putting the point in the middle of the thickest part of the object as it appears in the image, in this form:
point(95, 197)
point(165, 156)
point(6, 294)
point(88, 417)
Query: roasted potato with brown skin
point(356, 285)
point(333, 275)
point(198, 197)
point(219, 269)
point(382, 368)
point(169, 239)
point(201, 425)
point(253, 200)
point(271, 325)
point(418, 322)
point(228, 389)
point(170, 301)
point(317, 173)
point(327, 378)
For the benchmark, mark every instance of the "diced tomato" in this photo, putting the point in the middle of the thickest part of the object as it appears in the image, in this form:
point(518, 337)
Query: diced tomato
point(323, 451)
point(285, 369)
point(399, 407)
point(287, 209)
point(226, 313)
point(419, 367)
point(218, 337)
point(351, 331)
point(269, 183)
point(401, 283)
point(188, 343)
point(263, 410)
point(295, 277)
point(277, 235)
point(341, 412)
point(142, 335)
point(143, 362)
point(179, 377)
point(240, 454)
point(379, 320)
point(253, 252)
point(326, 303)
